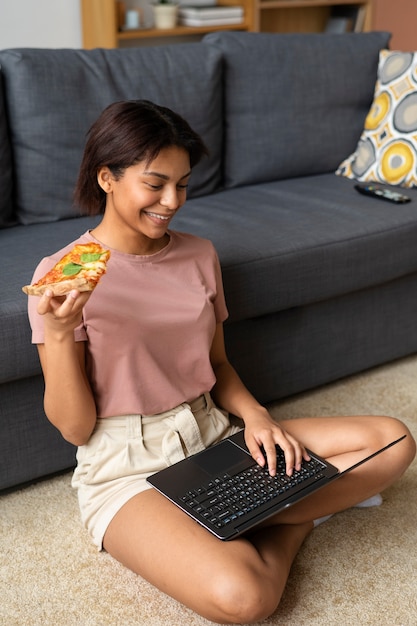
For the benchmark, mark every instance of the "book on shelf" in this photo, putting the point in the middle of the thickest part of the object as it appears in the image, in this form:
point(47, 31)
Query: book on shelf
point(210, 16)
point(210, 13)
point(360, 19)
point(220, 21)
point(197, 3)
point(336, 25)
point(346, 19)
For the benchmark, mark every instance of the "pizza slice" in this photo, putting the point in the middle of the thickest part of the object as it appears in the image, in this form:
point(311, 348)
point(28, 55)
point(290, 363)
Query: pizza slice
point(81, 269)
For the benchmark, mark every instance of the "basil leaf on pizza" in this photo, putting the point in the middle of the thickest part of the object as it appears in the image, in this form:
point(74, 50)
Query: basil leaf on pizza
point(71, 269)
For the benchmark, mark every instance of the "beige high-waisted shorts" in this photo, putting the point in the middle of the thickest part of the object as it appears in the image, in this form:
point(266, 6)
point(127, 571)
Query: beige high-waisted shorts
point(123, 451)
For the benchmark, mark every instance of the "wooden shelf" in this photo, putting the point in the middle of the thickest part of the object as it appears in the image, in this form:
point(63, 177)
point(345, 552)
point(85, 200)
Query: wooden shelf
point(101, 28)
point(178, 31)
point(282, 16)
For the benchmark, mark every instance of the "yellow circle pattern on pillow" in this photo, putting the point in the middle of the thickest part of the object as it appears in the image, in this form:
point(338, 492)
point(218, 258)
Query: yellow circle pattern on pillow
point(387, 149)
point(396, 162)
point(379, 110)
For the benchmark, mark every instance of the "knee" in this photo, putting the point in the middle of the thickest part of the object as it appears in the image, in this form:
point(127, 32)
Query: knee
point(398, 430)
point(405, 451)
point(408, 447)
point(243, 599)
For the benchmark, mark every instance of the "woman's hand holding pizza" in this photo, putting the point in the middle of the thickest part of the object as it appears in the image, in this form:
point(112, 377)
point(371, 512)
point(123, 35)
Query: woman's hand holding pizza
point(63, 313)
point(64, 290)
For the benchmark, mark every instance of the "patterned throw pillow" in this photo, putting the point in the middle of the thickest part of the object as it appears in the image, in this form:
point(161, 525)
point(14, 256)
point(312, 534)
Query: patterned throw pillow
point(387, 148)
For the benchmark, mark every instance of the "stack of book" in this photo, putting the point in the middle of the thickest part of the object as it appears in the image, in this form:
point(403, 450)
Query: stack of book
point(210, 15)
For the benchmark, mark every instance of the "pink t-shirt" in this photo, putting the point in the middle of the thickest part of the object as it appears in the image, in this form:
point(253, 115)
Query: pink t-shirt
point(149, 325)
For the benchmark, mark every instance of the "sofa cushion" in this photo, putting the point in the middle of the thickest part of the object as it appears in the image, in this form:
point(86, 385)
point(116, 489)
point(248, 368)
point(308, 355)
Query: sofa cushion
point(387, 150)
point(6, 180)
point(294, 242)
point(53, 96)
point(282, 121)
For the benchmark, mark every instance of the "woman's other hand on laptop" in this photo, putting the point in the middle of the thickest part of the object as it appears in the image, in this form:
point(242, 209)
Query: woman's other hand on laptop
point(263, 434)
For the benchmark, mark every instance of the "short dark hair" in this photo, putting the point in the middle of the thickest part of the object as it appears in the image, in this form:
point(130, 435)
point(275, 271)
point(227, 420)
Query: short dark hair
point(127, 133)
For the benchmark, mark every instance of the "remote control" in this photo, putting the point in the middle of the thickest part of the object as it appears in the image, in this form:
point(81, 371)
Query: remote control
point(371, 189)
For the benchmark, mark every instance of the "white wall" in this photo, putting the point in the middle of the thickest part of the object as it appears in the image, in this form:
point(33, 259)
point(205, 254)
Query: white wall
point(40, 24)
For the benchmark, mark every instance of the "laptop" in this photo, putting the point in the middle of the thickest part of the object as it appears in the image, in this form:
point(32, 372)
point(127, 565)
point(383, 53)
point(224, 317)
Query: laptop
point(226, 491)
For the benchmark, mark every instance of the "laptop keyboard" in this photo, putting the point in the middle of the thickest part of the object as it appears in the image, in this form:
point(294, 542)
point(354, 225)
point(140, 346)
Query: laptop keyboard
point(228, 498)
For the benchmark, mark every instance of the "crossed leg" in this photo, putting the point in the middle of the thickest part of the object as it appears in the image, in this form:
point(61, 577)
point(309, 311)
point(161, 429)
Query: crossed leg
point(242, 581)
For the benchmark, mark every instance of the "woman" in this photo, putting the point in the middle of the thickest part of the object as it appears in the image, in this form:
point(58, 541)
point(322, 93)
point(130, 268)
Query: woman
point(135, 371)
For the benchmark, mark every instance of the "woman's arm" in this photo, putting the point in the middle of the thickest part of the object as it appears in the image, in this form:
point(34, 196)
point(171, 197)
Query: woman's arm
point(261, 430)
point(69, 402)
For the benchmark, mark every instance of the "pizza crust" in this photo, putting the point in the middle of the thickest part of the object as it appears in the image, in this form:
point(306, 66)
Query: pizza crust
point(60, 289)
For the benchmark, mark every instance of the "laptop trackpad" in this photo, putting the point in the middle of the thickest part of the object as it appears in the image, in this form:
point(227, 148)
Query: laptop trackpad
point(225, 457)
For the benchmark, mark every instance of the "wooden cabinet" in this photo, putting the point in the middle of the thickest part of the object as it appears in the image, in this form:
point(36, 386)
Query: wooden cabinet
point(101, 24)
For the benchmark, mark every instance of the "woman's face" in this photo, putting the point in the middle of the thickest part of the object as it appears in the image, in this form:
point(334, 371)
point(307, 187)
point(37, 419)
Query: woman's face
point(141, 204)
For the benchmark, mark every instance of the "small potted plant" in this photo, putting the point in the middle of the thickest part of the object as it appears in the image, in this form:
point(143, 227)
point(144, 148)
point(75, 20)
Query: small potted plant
point(165, 13)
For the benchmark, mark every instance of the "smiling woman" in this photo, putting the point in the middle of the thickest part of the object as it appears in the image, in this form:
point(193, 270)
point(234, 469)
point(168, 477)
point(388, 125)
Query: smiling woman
point(137, 376)
point(141, 203)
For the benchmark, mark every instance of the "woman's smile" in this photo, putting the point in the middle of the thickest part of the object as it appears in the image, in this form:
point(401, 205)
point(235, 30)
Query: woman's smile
point(158, 216)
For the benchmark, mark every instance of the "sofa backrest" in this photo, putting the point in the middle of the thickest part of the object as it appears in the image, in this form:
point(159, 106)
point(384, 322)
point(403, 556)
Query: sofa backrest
point(295, 103)
point(53, 96)
point(6, 176)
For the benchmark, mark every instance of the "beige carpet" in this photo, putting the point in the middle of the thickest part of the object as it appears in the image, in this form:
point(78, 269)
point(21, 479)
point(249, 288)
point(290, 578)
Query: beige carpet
point(358, 568)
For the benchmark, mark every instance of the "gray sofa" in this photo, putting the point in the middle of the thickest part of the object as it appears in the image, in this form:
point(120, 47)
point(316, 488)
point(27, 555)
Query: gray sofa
point(320, 281)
